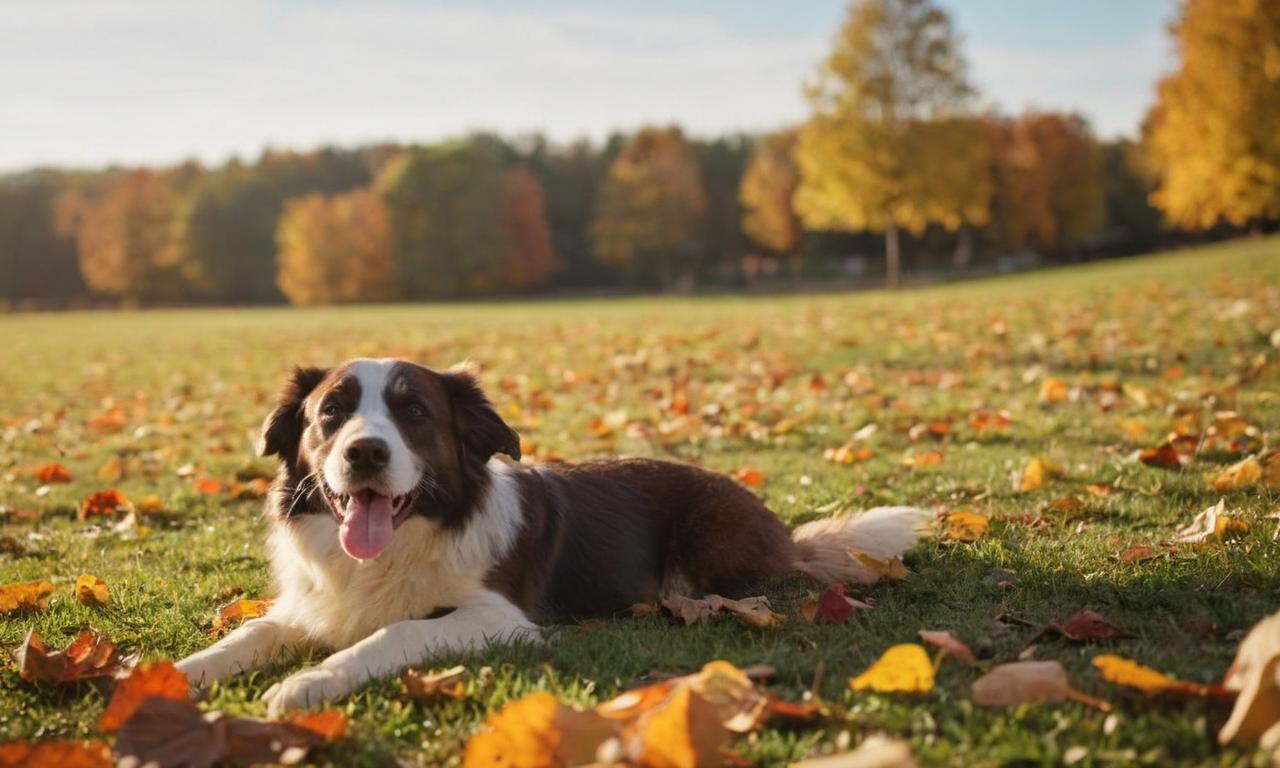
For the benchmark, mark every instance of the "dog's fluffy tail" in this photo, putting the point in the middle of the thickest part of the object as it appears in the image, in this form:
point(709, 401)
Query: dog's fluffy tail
point(825, 547)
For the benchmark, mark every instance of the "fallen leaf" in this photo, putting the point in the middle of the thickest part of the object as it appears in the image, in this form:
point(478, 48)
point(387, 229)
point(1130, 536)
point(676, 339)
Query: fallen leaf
point(738, 705)
point(112, 471)
point(91, 590)
point(26, 596)
point(874, 752)
point(833, 607)
point(754, 610)
point(1033, 475)
point(967, 526)
point(930, 458)
point(1139, 554)
point(892, 568)
point(161, 733)
point(750, 476)
point(537, 731)
point(49, 474)
point(949, 645)
point(207, 486)
point(1163, 456)
point(238, 612)
point(1088, 625)
point(1239, 475)
point(88, 657)
point(1255, 673)
point(329, 724)
point(104, 504)
point(1053, 391)
point(1122, 671)
point(904, 668)
point(146, 681)
point(1211, 523)
point(449, 683)
point(1028, 682)
point(55, 754)
point(1101, 490)
point(683, 732)
point(150, 504)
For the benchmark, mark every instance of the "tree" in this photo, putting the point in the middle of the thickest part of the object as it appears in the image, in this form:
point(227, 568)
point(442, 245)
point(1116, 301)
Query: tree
point(446, 204)
point(1213, 131)
point(722, 162)
point(36, 262)
point(129, 237)
point(890, 144)
point(1129, 182)
point(767, 194)
point(1050, 190)
point(528, 258)
point(335, 249)
point(650, 207)
point(571, 177)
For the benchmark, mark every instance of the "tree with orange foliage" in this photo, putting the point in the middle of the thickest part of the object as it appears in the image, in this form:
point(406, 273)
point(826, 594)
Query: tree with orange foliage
point(1050, 191)
point(650, 207)
point(128, 237)
point(766, 192)
point(335, 249)
point(1214, 133)
point(529, 257)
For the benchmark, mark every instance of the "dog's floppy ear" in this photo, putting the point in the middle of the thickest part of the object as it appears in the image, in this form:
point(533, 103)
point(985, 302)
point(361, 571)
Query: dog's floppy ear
point(282, 431)
point(481, 431)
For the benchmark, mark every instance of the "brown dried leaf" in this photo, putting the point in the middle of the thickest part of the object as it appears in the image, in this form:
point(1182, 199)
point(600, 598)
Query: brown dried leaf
point(89, 656)
point(448, 683)
point(1028, 682)
point(950, 645)
point(91, 590)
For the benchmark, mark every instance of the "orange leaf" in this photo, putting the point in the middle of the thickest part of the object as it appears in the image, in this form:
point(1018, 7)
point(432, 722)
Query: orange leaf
point(536, 732)
point(104, 504)
point(55, 754)
point(238, 612)
point(91, 590)
point(967, 526)
point(1122, 671)
point(904, 668)
point(1163, 456)
point(750, 476)
point(208, 485)
point(1239, 475)
point(1033, 475)
point(328, 724)
point(1138, 554)
point(146, 681)
point(25, 596)
point(53, 473)
point(923, 459)
point(89, 656)
point(684, 732)
point(1053, 391)
point(950, 645)
point(113, 471)
point(450, 683)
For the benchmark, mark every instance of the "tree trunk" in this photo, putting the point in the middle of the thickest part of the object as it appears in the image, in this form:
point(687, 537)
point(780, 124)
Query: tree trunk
point(893, 260)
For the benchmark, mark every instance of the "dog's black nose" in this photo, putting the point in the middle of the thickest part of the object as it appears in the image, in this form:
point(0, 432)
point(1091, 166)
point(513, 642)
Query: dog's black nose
point(368, 454)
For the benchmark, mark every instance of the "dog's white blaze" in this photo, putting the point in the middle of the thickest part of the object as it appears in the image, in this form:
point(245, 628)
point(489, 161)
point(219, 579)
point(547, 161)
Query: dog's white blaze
point(373, 419)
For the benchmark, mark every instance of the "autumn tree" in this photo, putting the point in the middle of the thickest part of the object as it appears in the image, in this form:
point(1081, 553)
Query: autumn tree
point(528, 258)
point(36, 262)
point(1213, 131)
point(650, 208)
point(890, 143)
point(128, 235)
point(767, 194)
point(1050, 189)
point(335, 249)
point(446, 207)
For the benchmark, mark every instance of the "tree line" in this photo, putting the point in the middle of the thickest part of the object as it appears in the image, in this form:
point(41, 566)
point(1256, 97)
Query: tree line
point(894, 149)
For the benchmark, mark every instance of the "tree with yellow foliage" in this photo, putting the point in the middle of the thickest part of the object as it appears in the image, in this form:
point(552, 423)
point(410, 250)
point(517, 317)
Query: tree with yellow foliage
point(891, 143)
point(335, 249)
point(1214, 133)
point(767, 194)
point(650, 207)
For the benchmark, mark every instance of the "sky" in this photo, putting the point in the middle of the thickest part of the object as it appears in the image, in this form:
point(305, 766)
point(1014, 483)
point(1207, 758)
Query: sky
point(95, 82)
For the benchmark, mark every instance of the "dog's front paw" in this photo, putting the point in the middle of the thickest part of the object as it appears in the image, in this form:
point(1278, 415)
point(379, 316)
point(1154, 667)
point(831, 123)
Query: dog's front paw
point(305, 689)
point(198, 673)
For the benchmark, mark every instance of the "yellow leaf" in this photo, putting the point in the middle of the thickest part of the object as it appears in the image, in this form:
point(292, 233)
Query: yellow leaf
point(25, 596)
point(888, 569)
point(684, 732)
point(1032, 476)
point(1254, 674)
point(904, 668)
point(537, 732)
point(1053, 391)
point(1239, 475)
point(1122, 671)
point(967, 526)
point(91, 590)
point(237, 612)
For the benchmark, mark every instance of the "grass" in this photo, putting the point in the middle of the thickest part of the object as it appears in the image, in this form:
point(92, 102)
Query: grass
point(770, 383)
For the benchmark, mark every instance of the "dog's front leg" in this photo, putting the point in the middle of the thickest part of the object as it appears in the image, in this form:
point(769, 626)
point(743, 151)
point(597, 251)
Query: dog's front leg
point(252, 645)
point(487, 619)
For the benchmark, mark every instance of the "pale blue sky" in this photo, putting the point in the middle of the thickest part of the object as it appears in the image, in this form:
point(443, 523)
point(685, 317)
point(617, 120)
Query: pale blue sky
point(88, 82)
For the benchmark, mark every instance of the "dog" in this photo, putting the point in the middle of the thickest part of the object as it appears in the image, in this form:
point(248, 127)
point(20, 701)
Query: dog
point(399, 496)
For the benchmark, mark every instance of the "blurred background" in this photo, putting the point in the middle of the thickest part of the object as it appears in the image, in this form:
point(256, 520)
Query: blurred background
point(340, 151)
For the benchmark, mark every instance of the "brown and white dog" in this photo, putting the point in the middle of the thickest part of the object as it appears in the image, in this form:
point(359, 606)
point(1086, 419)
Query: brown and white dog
point(394, 500)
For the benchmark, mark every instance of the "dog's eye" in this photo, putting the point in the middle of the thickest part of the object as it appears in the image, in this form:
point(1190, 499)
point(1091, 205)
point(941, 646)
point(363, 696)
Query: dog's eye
point(330, 410)
point(417, 411)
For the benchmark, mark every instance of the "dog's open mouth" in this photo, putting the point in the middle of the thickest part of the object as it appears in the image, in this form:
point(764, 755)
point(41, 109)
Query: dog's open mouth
point(368, 520)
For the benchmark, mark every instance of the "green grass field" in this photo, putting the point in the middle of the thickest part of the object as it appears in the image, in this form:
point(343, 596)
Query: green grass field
point(1144, 346)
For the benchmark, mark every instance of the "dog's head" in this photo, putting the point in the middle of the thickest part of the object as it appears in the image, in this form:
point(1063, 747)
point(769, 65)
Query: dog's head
point(376, 441)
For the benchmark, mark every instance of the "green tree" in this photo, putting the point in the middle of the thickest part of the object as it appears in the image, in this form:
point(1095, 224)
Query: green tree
point(446, 209)
point(36, 262)
point(649, 213)
point(768, 195)
point(1213, 132)
point(335, 249)
point(890, 143)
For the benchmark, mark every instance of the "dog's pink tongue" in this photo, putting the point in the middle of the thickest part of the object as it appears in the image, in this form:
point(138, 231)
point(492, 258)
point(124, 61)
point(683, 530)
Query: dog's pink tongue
point(367, 525)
